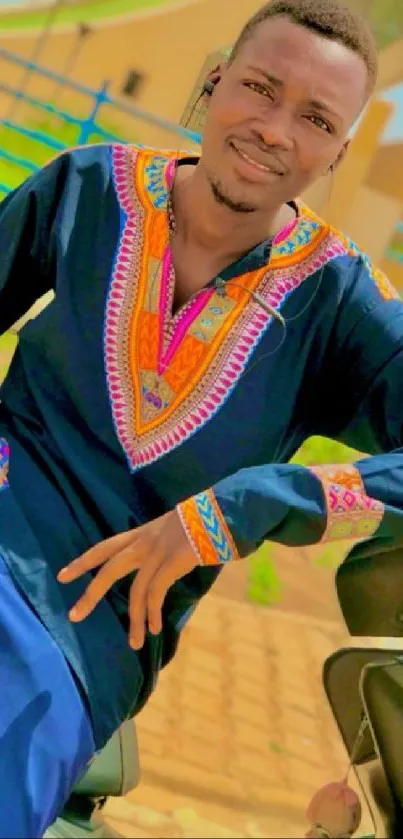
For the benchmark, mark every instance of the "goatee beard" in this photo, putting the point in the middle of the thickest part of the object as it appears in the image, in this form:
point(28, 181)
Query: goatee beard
point(226, 201)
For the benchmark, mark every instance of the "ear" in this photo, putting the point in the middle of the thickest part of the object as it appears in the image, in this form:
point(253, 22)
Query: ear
point(340, 157)
point(212, 80)
point(195, 112)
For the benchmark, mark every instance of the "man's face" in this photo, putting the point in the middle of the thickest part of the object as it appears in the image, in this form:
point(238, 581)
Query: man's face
point(280, 115)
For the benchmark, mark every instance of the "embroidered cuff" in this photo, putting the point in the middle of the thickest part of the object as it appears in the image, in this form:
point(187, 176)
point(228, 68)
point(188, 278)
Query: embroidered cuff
point(351, 513)
point(4, 459)
point(207, 530)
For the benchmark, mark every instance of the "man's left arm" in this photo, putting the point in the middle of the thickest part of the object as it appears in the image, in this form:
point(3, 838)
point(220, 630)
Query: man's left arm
point(359, 401)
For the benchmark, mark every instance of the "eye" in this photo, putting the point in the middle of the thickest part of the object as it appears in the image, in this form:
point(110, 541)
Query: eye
point(321, 123)
point(258, 87)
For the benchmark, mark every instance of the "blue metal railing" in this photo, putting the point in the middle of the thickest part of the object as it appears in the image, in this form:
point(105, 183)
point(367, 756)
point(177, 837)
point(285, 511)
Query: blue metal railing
point(86, 127)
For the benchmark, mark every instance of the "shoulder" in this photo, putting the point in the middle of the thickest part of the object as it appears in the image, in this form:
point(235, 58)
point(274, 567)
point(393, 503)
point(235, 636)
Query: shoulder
point(352, 267)
point(118, 154)
point(82, 158)
point(58, 173)
point(87, 173)
point(89, 158)
point(368, 310)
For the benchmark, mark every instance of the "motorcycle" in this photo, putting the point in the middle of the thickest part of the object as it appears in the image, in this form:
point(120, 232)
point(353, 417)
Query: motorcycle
point(113, 773)
point(364, 688)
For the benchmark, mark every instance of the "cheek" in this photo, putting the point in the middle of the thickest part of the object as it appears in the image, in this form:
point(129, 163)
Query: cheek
point(315, 153)
point(230, 107)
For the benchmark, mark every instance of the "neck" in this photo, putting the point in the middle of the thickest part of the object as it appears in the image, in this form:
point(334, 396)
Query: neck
point(212, 227)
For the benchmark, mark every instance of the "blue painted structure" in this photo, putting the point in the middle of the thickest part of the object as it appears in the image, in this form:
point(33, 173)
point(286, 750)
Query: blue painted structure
point(86, 127)
point(90, 125)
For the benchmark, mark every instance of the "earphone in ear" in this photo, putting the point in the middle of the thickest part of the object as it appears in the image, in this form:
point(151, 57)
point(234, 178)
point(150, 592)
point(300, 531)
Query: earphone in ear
point(192, 118)
point(336, 162)
point(208, 87)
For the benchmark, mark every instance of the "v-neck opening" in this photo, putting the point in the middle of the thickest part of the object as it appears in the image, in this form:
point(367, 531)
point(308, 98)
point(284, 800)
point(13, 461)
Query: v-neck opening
point(257, 255)
point(173, 325)
point(252, 260)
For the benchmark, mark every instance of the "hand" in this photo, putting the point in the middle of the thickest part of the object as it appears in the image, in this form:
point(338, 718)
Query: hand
point(162, 554)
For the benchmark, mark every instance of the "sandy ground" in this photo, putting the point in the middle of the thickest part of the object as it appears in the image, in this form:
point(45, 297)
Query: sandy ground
point(238, 735)
point(306, 588)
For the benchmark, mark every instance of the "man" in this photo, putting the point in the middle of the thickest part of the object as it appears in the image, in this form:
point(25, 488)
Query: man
point(204, 324)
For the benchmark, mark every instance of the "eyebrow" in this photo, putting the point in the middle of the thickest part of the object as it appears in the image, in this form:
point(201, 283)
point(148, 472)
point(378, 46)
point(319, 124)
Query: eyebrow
point(269, 76)
point(274, 80)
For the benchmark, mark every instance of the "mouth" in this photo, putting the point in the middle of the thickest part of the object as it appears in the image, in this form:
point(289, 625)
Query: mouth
point(258, 165)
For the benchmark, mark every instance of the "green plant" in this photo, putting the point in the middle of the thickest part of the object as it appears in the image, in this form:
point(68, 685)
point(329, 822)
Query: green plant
point(321, 450)
point(8, 343)
point(332, 555)
point(264, 586)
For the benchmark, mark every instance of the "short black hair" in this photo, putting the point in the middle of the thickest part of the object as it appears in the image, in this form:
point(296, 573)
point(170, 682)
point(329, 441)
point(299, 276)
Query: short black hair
point(330, 18)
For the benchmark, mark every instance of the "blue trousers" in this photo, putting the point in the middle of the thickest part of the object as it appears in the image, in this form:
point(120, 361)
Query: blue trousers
point(46, 739)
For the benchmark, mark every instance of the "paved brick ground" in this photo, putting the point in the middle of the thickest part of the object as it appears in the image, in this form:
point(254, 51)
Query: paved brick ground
point(238, 734)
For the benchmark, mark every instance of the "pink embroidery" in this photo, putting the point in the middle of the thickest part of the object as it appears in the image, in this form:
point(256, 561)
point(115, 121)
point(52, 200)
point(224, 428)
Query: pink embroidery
point(165, 303)
point(149, 424)
point(183, 324)
point(120, 300)
point(170, 172)
point(4, 462)
point(285, 232)
point(351, 513)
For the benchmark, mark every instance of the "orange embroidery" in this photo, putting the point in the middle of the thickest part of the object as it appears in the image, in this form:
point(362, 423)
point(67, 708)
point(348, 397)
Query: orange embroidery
point(207, 530)
point(385, 287)
point(169, 375)
point(188, 357)
point(145, 346)
point(157, 235)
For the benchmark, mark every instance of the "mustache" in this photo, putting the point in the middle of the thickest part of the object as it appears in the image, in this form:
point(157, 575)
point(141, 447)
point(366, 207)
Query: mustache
point(267, 155)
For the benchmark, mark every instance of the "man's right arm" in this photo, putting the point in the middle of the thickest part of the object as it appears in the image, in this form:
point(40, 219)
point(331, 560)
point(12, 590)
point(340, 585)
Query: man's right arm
point(27, 241)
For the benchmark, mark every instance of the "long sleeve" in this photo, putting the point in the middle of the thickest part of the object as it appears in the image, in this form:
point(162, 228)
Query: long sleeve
point(358, 401)
point(27, 247)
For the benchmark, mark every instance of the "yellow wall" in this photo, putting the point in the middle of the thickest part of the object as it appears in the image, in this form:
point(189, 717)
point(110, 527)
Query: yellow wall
point(169, 48)
point(386, 172)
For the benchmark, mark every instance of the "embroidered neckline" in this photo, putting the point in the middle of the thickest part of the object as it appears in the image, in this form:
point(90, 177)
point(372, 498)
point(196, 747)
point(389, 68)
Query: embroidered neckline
point(168, 377)
point(173, 327)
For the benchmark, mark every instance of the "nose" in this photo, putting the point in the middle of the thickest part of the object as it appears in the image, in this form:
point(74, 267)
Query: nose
point(275, 129)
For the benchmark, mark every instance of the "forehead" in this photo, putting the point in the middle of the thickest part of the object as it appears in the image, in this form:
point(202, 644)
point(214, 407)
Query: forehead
point(313, 65)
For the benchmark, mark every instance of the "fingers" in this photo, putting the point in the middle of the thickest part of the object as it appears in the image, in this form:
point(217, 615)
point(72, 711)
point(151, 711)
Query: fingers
point(139, 594)
point(97, 555)
point(137, 610)
point(146, 601)
point(117, 567)
point(157, 592)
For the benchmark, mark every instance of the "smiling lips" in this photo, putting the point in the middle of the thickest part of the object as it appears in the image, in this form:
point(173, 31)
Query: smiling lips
point(262, 167)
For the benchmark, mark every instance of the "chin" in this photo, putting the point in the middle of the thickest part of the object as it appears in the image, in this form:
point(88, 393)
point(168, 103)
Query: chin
point(236, 196)
point(233, 199)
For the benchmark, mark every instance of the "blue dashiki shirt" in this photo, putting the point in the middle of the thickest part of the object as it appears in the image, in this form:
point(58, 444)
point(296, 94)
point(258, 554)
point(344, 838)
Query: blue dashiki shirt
point(117, 409)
